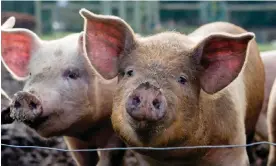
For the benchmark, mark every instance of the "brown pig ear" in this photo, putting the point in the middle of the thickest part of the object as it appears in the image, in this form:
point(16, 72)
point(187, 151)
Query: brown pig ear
point(222, 57)
point(106, 38)
point(17, 47)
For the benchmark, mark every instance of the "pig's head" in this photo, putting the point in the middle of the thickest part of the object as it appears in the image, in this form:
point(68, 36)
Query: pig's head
point(59, 97)
point(161, 78)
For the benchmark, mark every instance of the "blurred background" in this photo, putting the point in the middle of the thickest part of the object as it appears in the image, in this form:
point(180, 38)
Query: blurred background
point(53, 19)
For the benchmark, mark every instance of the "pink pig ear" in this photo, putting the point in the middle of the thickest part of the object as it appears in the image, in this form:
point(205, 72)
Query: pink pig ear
point(106, 39)
point(222, 57)
point(17, 47)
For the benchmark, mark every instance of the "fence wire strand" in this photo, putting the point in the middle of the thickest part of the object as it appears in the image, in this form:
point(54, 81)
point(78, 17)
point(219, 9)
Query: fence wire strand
point(140, 148)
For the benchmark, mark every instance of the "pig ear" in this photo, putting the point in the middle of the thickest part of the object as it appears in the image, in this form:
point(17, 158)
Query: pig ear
point(221, 57)
point(9, 23)
point(106, 39)
point(17, 47)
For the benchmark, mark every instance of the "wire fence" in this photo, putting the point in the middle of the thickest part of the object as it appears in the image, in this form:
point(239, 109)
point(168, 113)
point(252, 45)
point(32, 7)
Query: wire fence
point(141, 148)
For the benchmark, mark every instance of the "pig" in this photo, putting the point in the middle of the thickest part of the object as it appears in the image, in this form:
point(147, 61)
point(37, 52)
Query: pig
point(269, 59)
point(60, 97)
point(205, 88)
point(271, 123)
point(18, 134)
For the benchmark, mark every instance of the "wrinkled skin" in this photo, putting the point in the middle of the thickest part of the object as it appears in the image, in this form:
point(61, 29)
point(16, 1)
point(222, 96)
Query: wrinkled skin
point(61, 97)
point(164, 95)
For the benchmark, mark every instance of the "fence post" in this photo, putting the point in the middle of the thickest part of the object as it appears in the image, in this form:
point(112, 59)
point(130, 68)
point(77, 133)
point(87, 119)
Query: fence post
point(149, 15)
point(106, 6)
point(137, 16)
point(156, 13)
point(122, 9)
point(38, 27)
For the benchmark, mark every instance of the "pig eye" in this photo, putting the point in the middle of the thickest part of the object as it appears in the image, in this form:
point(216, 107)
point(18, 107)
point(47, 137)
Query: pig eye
point(129, 72)
point(72, 74)
point(182, 80)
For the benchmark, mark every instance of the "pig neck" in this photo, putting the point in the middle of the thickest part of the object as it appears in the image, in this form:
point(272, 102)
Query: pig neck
point(97, 135)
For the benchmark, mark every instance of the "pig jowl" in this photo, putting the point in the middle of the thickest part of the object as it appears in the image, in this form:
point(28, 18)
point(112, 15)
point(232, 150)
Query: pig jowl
point(178, 90)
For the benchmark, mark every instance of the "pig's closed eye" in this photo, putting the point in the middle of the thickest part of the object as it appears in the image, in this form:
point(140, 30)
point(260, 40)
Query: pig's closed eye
point(72, 74)
point(182, 80)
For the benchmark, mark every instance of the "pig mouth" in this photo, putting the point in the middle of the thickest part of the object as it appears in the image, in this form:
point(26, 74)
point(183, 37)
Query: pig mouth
point(35, 124)
point(146, 126)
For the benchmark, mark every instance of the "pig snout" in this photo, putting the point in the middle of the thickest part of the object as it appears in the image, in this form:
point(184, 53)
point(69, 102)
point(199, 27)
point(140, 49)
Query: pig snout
point(25, 107)
point(147, 103)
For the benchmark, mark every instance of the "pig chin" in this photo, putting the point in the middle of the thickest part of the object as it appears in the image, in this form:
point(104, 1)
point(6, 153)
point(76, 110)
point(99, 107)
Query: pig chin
point(146, 125)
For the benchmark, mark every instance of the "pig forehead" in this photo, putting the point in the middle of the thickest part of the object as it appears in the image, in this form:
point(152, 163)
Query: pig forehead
point(165, 46)
point(161, 63)
point(56, 56)
point(162, 52)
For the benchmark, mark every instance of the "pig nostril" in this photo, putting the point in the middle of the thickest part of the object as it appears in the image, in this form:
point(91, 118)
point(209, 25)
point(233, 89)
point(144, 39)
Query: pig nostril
point(156, 103)
point(17, 104)
point(32, 105)
point(136, 101)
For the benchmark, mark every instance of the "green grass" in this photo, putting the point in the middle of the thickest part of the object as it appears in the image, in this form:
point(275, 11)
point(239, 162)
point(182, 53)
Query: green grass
point(262, 47)
point(266, 47)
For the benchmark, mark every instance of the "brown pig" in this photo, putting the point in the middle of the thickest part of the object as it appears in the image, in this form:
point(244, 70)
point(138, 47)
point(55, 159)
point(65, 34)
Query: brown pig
point(269, 60)
point(205, 88)
point(271, 123)
point(61, 97)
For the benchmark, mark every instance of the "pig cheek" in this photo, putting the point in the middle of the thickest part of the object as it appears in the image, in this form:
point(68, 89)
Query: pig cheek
point(179, 123)
point(50, 128)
